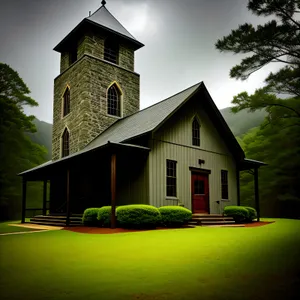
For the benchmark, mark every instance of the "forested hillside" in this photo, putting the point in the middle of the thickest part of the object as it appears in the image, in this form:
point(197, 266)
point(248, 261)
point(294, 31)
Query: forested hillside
point(242, 121)
point(42, 136)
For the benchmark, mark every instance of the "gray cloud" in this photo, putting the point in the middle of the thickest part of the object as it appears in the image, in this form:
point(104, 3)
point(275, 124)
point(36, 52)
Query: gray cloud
point(179, 38)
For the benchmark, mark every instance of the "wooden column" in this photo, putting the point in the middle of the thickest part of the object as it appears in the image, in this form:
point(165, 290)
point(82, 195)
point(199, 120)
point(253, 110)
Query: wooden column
point(45, 198)
point(238, 187)
point(113, 169)
point(68, 198)
point(256, 190)
point(24, 188)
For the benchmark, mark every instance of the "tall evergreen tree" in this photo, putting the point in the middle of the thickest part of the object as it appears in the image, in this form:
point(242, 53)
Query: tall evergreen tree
point(17, 151)
point(275, 41)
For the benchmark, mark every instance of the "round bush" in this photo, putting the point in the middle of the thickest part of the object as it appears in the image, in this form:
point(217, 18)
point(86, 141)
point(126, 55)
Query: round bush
point(104, 216)
point(174, 216)
point(239, 213)
point(252, 214)
point(89, 217)
point(138, 216)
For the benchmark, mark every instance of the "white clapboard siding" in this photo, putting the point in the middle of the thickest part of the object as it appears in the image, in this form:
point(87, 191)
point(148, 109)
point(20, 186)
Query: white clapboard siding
point(174, 141)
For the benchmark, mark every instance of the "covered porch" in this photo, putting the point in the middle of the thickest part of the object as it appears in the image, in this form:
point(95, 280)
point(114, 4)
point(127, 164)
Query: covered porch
point(252, 167)
point(112, 174)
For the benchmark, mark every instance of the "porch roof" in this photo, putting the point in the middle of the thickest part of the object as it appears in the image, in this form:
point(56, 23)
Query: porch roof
point(248, 164)
point(109, 146)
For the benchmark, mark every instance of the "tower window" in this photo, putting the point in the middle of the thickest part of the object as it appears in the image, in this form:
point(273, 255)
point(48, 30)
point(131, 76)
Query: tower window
point(65, 143)
point(66, 104)
point(196, 132)
point(72, 56)
point(113, 101)
point(111, 51)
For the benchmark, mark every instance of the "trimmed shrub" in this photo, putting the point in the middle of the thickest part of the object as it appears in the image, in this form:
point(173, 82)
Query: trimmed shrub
point(89, 217)
point(138, 216)
point(239, 213)
point(252, 214)
point(174, 216)
point(104, 216)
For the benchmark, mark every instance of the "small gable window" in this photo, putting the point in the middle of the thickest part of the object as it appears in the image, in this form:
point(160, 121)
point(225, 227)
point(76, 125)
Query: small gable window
point(66, 104)
point(114, 101)
point(196, 132)
point(65, 143)
point(111, 51)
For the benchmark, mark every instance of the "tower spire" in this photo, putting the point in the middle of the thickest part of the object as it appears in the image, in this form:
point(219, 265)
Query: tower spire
point(103, 2)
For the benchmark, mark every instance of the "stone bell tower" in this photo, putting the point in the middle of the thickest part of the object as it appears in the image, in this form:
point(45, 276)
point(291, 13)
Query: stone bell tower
point(97, 84)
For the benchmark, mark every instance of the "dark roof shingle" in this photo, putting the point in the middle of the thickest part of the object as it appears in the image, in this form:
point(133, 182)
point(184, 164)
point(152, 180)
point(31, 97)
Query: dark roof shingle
point(143, 121)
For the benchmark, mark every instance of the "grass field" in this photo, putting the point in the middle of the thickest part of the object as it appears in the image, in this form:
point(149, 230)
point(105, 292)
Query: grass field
point(201, 263)
point(5, 227)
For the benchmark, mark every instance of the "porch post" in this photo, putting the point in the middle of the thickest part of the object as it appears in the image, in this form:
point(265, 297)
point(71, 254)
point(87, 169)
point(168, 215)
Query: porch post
point(45, 198)
point(24, 188)
point(68, 198)
point(256, 193)
point(238, 187)
point(113, 190)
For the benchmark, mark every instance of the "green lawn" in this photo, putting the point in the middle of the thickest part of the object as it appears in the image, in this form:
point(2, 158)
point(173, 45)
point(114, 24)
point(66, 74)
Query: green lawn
point(6, 228)
point(201, 263)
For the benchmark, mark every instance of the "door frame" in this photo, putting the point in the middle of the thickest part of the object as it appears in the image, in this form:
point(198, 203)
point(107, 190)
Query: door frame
point(202, 172)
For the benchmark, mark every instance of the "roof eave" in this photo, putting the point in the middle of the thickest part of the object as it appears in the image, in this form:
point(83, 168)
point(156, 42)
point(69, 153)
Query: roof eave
point(177, 108)
point(60, 46)
point(109, 144)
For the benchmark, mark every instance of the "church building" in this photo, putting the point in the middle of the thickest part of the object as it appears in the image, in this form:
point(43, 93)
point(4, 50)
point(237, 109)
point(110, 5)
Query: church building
point(106, 151)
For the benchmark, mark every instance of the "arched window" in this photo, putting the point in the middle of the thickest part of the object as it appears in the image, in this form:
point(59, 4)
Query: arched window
point(114, 101)
point(65, 143)
point(196, 132)
point(66, 104)
point(111, 51)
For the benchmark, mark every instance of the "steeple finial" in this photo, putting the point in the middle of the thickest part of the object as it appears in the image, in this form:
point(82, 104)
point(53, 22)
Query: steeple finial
point(103, 2)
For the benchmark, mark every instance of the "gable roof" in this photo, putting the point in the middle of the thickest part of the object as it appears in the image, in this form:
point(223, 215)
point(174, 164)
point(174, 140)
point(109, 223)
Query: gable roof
point(104, 18)
point(153, 117)
point(101, 19)
point(144, 121)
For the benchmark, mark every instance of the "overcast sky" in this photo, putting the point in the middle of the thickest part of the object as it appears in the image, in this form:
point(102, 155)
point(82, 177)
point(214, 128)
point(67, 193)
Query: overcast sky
point(179, 38)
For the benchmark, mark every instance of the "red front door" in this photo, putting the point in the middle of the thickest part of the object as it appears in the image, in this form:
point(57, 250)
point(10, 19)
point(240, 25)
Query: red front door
point(200, 193)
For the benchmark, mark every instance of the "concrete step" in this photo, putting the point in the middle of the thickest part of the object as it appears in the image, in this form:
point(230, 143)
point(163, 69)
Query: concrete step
point(53, 223)
point(193, 222)
point(58, 217)
point(206, 215)
point(212, 219)
point(217, 222)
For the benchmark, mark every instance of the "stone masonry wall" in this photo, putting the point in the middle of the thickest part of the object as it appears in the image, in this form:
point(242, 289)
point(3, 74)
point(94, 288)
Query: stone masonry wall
point(74, 78)
point(88, 80)
point(64, 61)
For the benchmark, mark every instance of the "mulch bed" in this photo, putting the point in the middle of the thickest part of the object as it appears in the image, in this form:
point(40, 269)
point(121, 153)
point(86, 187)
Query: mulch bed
point(97, 230)
point(257, 224)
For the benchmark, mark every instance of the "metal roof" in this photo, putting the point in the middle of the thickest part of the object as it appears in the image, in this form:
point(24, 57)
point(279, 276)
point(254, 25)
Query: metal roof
point(104, 18)
point(83, 151)
point(101, 18)
point(248, 163)
point(143, 121)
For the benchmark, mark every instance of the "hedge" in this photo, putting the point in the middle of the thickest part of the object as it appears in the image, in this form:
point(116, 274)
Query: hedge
point(138, 216)
point(239, 213)
point(89, 217)
point(252, 214)
point(174, 216)
point(104, 216)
